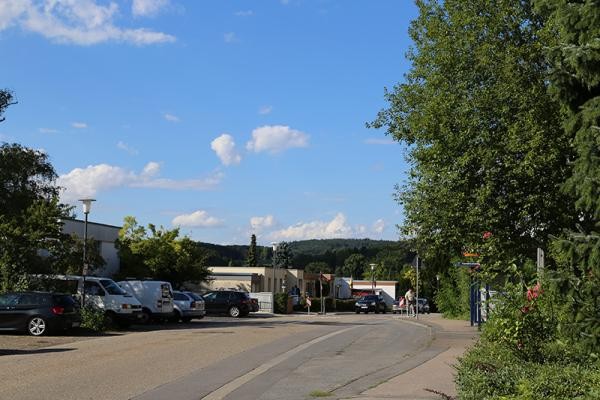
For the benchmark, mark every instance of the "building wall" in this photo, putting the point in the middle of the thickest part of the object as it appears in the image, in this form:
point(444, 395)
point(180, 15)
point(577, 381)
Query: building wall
point(386, 288)
point(106, 235)
point(265, 277)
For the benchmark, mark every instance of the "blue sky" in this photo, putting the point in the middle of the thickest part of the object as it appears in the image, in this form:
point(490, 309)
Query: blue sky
point(224, 118)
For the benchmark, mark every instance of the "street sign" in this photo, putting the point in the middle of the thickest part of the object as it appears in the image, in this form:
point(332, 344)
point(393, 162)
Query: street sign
point(308, 302)
point(470, 255)
point(468, 264)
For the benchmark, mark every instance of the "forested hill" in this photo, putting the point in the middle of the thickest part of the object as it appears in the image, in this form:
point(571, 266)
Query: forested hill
point(331, 251)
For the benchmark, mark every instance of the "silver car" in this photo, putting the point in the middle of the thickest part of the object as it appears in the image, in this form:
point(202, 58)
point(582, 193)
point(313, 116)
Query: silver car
point(187, 305)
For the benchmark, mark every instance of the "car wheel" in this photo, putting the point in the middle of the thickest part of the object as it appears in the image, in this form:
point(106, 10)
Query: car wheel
point(358, 311)
point(234, 312)
point(186, 319)
point(377, 311)
point(146, 317)
point(367, 311)
point(37, 326)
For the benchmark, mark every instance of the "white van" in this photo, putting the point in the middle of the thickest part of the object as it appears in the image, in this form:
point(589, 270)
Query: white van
point(156, 298)
point(119, 306)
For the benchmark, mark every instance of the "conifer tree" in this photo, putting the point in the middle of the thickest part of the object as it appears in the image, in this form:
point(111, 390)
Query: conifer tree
point(251, 260)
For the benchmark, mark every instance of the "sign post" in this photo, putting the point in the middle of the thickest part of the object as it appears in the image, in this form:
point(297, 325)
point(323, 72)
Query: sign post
point(308, 303)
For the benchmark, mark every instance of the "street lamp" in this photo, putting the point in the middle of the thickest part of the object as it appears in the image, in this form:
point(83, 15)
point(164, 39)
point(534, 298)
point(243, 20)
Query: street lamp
point(437, 278)
point(373, 277)
point(274, 244)
point(87, 206)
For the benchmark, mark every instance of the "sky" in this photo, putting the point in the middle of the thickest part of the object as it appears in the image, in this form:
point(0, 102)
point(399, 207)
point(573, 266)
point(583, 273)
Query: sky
point(222, 118)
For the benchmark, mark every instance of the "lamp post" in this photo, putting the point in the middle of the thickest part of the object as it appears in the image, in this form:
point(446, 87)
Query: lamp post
point(437, 278)
point(87, 206)
point(274, 244)
point(373, 277)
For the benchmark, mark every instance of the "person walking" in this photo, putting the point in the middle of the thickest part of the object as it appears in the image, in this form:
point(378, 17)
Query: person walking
point(411, 301)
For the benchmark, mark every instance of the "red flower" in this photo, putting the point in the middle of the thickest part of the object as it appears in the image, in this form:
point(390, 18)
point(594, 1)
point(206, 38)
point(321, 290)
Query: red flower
point(487, 235)
point(525, 309)
point(534, 292)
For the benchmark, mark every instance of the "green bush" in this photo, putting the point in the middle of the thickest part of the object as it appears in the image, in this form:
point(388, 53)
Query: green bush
point(452, 299)
point(93, 318)
point(345, 305)
point(316, 305)
point(281, 300)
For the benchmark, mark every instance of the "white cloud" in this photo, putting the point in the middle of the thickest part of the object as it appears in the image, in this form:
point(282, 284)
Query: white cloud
point(48, 130)
point(79, 125)
point(276, 138)
point(171, 117)
point(379, 226)
point(264, 110)
point(230, 37)
point(336, 228)
point(197, 219)
point(125, 147)
point(80, 22)
point(385, 141)
point(258, 224)
point(244, 13)
point(87, 182)
point(147, 8)
point(224, 146)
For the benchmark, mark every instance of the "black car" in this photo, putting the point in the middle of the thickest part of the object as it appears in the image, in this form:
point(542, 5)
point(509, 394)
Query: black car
point(371, 302)
point(231, 302)
point(38, 312)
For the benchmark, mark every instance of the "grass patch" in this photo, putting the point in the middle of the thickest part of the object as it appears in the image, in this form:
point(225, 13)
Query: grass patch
point(320, 393)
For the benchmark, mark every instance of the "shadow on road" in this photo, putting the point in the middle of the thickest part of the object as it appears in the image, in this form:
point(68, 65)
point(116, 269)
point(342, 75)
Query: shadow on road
point(12, 352)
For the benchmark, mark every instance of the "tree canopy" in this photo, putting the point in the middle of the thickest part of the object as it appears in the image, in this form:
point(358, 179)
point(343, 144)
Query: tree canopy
point(486, 146)
point(159, 253)
point(30, 216)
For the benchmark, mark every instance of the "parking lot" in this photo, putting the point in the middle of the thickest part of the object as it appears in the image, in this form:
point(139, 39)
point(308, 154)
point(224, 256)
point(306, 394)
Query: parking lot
point(21, 343)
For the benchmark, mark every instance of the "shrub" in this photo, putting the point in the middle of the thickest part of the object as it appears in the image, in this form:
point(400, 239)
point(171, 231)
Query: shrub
point(316, 304)
point(93, 318)
point(453, 297)
point(345, 305)
point(281, 301)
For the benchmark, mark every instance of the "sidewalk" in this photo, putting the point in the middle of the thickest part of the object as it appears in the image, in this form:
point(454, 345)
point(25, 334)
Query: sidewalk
point(452, 338)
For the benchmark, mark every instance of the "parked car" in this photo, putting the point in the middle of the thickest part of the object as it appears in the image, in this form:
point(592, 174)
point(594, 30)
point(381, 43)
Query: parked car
point(187, 305)
point(423, 305)
point(38, 313)
point(156, 298)
point(371, 302)
point(255, 305)
point(231, 302)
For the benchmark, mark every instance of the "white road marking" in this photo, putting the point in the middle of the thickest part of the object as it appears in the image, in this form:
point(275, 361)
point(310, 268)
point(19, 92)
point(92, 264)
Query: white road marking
point(224, 390)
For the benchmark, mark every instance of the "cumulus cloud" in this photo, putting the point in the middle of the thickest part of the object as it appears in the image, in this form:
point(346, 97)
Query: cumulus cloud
point(336, 228)
point(224, 146)
point(79, 125)
point(276, 138)
point(171, 117)
point(258, 224)
point(244, 13)
point(197, 219)
point(264, 110)
point(48, 130)
point(125, 147)
point(147, 8)
point(379, 226)
point(89, 181)
point(79, 22)
point(230, 37)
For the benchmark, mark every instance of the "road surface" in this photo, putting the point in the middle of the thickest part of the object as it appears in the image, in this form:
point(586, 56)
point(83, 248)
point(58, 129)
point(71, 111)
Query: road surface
point(292, 357)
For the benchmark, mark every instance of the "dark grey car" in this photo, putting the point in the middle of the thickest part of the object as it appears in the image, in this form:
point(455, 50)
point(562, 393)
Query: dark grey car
point(38, 313)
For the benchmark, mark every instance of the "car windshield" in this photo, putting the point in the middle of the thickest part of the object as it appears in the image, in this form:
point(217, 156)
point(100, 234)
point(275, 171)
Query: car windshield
point(370, 298)
point(112, 288)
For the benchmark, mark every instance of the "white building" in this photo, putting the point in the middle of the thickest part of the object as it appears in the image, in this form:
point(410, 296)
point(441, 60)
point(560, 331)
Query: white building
point(105, 235)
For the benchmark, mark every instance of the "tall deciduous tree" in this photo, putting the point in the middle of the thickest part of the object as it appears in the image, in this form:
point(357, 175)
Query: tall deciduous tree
point(161, 254)
point(251, 259)
point(575, 79)
point(486, 148)
point(354, 265)
point(30, 215)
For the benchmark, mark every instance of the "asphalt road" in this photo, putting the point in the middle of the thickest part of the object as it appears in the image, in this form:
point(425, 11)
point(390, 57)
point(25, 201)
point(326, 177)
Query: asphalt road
point(293, 357)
